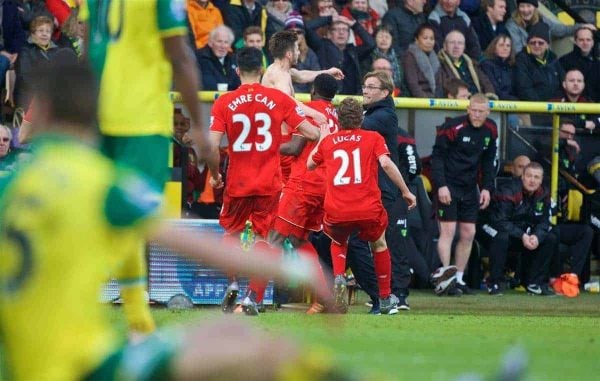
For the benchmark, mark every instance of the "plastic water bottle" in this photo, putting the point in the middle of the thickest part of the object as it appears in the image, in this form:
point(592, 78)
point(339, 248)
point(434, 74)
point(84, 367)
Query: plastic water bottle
point(247, 237)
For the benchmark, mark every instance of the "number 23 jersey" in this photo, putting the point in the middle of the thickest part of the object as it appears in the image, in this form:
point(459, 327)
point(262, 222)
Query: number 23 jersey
point(350, 158)
point(251, 117)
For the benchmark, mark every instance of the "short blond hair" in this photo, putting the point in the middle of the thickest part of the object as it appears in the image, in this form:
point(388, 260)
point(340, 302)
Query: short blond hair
point(387, 83)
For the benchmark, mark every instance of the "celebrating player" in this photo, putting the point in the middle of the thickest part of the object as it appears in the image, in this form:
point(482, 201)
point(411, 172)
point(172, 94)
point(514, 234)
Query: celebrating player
point(250, 117)
point(353, 199)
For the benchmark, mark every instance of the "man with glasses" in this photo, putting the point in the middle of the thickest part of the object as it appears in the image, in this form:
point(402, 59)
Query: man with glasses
point(539, 73)
point(336, 51)
point(464, 147)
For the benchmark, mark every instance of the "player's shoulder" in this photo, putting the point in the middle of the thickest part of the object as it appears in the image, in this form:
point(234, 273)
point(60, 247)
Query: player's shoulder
point(491, 126)
point(455, 123)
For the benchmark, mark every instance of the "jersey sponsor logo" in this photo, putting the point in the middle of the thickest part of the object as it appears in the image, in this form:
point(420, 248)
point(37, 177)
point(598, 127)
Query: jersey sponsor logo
point(177, 9)
point(466, 139)
point(249, 98)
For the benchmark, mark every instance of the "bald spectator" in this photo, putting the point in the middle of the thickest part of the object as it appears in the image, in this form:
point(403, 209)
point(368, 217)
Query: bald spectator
point(573, 87)
point(384, 64)
point(456, 64)
point(447, 17)
point(215, 61)
point(203, 17)
point(583, 59)
point(490, 24)
point(518, 165)
point(403, 21)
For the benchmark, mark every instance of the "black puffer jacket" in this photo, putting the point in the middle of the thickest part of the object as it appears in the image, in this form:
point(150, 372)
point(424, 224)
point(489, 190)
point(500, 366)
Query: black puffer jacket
point(403, 24)
point(515, 212)
point(502, 75)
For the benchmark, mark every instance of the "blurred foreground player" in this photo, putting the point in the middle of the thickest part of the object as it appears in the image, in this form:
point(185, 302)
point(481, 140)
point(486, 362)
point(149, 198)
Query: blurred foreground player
point(59, 242)
point(353, 199)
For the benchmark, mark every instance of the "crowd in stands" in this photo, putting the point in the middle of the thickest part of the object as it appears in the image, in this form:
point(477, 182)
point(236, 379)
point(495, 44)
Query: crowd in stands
point(443, 48)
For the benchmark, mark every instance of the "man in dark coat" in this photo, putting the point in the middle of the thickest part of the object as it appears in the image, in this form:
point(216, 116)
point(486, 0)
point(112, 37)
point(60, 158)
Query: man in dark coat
point(216, 63)
point(583, 59)
point(491, 24)
point(403, 21)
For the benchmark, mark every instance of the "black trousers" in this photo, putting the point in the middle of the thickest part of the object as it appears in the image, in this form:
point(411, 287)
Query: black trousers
point(578, 238)
point(358, 258)
point(538, 260)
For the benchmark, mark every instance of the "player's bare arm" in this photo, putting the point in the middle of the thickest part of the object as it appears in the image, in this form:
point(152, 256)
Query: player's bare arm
point(308, 130)
point(216, 180)
point(186, 79)
point(307, 76)
point(293, 147)
point(394, 174)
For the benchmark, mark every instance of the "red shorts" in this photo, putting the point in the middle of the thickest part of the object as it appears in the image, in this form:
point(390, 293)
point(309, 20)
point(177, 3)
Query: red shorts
point(298, 214)
point(368, 230)
point(258, 209)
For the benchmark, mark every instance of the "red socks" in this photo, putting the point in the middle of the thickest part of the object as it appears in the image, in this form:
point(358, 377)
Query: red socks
point(338, 258)
point(383, 271)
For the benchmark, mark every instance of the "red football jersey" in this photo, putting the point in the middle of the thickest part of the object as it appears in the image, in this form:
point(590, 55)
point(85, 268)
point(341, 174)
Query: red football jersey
point(313, 182)
point(251, 117)
point(351, 158)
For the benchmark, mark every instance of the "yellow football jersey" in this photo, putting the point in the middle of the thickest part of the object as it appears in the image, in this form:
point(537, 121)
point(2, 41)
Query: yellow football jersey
point(65, 216)
point(127, 54)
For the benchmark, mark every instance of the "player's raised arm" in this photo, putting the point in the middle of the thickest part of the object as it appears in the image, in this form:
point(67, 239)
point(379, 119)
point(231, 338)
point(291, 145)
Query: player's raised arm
point(394, 174)
point(307, 76)
point(186, 79)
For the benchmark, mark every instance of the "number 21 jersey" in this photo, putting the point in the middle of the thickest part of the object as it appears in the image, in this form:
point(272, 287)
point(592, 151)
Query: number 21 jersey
point(350, 158)
point(251, 117)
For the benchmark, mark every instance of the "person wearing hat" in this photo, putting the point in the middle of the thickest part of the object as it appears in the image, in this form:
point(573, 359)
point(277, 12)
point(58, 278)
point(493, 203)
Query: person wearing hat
point(527, 15)
point(307, 60)
point(539, 73)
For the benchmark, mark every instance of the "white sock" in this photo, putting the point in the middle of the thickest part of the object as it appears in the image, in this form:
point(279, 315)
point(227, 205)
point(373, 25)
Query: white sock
point(459, 275)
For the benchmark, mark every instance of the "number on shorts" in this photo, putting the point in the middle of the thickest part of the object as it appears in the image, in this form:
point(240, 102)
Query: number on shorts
point(241, 144)
point(340, 178)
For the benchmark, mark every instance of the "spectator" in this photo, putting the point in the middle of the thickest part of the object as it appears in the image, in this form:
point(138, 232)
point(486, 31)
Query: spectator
point(384, 49)
point(518, 165)
point(383, 64)
point(335, 51)
point(253, 38)
point(359, 10)
point(203, 17)
point(526, 16)
point(491, 24)
point(320, 8)
point(499, 67)
point(456, 89)
point(73, 31)
point(539, 73)
point(7, 159)
point(13, 37)
point(573, 88)
point(240, 14)
point(279, 11)
point(403, 21)
point(446, 17)
point(421, 64)
point(30, 9)
point(520, 220)
point(39, 51)
point(215, 62)
point(583, 59)
point(464, 147)
point(307, 60)
point(455, 64)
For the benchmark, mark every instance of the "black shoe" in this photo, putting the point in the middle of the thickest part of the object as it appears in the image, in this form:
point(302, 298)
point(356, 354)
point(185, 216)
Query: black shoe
point(540, 290)
point(494, 290)
point(230, 298)
point(454, 291)
point(465, 289)
point(403, 303)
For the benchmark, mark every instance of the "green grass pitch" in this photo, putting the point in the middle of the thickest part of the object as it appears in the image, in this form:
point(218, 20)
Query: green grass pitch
point(441, 338)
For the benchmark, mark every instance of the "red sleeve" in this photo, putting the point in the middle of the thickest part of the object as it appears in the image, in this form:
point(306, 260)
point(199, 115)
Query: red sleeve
point(380, 146)
point(217, 118)
point(59, 9)
point(293, 114)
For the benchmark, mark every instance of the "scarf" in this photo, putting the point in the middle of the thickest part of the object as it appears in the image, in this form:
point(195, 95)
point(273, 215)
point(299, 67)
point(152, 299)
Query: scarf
point(428, 63)
point(446, 58)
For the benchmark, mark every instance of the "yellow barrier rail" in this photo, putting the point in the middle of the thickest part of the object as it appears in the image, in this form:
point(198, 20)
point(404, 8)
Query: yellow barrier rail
point(461, 105)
